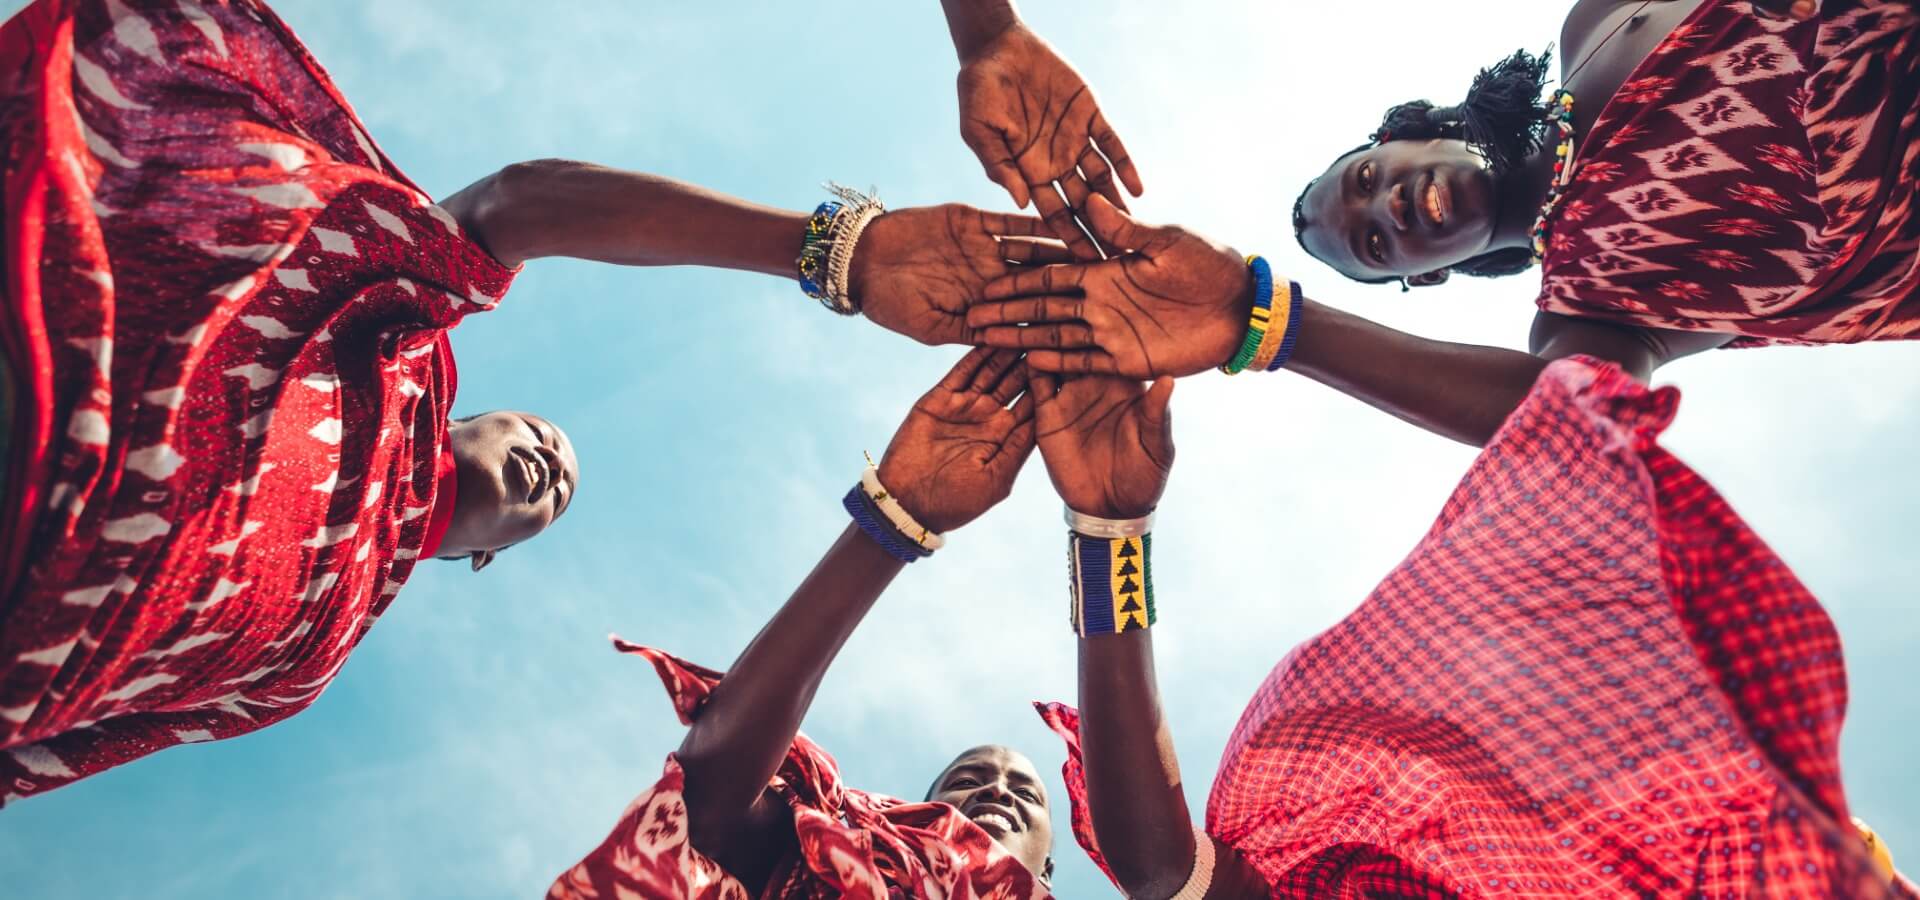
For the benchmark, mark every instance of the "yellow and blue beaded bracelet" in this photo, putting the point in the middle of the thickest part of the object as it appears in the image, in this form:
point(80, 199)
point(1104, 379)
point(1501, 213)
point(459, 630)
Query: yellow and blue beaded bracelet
point(1111, 576)
point(1273, 325)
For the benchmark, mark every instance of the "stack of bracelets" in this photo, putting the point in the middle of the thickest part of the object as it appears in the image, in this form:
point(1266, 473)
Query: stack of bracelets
point(1274, 327)
point(826, 250)
point(1109, 563)
point(880, 515)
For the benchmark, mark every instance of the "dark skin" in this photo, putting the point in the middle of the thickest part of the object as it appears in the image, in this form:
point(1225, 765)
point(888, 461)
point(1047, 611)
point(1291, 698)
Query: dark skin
point(1032, 120)
point(1001, 791)
point(1167, 314)
point(1108, 446)
point(952, 460)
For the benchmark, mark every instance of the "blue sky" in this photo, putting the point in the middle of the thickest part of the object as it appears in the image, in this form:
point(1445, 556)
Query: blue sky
point(484, 737)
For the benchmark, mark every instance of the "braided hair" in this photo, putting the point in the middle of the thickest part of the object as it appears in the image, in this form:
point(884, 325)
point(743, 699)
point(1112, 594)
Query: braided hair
point(1504, 119)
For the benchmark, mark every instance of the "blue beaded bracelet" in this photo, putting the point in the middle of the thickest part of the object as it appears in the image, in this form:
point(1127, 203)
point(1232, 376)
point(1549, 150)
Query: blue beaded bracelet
point(876, 526)
point(1293, 331)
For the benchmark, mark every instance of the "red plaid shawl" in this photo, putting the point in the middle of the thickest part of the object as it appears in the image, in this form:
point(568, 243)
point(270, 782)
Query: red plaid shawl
point(852, 844)
point(1755, 177)
point(1590, 679)
point(226, 313)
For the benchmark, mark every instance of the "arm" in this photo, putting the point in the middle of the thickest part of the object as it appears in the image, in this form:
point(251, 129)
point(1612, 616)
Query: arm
point(1108, 446)
point(955, 456)
point(975, 23)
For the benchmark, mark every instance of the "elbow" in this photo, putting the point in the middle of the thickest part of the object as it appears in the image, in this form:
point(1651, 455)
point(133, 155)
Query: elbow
point(508, 212)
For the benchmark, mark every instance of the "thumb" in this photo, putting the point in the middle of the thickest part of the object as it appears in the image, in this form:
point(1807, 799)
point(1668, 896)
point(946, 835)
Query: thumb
point(991, 147)
point(1114, 228)
point(1157, 421)
point(1159, 395)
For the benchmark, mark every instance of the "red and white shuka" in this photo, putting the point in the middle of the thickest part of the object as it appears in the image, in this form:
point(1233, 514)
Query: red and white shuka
point(226, 316)
point(1590, 679)
point(851, 845)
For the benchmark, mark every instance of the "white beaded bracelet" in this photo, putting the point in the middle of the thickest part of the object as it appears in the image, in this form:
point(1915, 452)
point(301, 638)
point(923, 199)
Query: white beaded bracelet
point(890, 507)
point(1202, 877)
point(1108, 529)
point(859, 212)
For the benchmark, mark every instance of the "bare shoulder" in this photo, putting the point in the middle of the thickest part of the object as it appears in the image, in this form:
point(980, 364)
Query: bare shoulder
point(1588, 22)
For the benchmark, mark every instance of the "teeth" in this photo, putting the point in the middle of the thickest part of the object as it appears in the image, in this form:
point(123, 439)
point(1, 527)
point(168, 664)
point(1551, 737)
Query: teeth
point(984, 818)
point(1433, 202)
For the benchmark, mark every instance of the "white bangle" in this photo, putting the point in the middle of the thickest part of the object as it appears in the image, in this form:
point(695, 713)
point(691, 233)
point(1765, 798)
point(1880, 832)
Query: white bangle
point(1202, 877)
point(860, 211)
point(889, 506)
point(1109, 529)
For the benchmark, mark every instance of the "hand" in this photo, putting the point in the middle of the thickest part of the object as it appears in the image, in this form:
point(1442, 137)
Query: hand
point(1033, 121)
point(915, 270)
point(958, 452)
point(1797, 10)
point(1108, 442)
point(1174, 304)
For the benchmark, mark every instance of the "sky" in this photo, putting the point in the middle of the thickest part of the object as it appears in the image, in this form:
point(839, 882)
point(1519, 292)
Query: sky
point(484, 737)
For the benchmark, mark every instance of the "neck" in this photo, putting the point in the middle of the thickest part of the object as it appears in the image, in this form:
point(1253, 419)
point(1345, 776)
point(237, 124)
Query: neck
point(1521, 193)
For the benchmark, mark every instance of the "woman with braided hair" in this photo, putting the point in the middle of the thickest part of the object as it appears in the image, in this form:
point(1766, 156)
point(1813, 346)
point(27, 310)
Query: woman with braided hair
point(1713, 173)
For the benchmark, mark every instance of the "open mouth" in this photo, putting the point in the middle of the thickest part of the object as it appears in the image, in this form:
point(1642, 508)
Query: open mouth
point(992, 819)
point(1437, 201)
point(534, 470)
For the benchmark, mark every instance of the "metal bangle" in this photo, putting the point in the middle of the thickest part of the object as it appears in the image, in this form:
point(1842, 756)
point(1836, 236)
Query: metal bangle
point(1109, 529)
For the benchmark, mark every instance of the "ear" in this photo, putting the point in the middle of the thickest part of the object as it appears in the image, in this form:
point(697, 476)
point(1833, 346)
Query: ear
point(1431, 279)
point(483, 558)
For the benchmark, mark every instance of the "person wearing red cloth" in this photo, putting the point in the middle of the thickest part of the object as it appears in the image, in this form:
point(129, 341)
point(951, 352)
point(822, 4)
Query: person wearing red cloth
point(1590, 679)
point(749, 807)
point(1729, 177)
point(228, 370)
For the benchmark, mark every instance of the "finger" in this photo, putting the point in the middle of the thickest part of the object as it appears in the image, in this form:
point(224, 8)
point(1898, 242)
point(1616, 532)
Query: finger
point(1099, 177)
point(1074, 362)
point(1031, 310)
point(1059, 218)
point(1012, 384)
point(1034, 281)
point(1110, 146)
point(1021, 439)
point(991, 371)
point(1041, 386)
point(1034, 251)
point(1076, 190)
point(990, 146)
point(962, 372)
point(1158, 433)
point(1114, 228)
point(1023, 408)
point(1004, 225)
point(1039, 337)
point(1154, 407)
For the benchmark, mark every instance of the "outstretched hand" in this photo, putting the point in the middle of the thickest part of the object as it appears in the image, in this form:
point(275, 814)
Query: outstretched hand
point(1033, 121)
point(960, 448)
point(1107, 442)
point(915, 270)
point(1175, 303)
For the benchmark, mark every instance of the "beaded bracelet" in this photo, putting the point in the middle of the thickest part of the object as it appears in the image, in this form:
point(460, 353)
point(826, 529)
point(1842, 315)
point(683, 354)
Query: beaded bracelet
point(889, 506)
point(1290, 330)
point(826, 249)
point(1200, 880)
point(1112, 581)
point(865, 515)
point(1262, 313)
point(814, 247)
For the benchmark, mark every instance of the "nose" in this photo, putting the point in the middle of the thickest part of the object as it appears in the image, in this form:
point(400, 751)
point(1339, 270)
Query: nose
point(1399, 209)
point(994, 792)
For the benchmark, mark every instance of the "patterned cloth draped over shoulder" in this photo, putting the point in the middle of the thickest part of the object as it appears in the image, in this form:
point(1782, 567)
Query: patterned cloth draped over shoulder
point(852, 844)
point(1590, 679)
point(1754, 177)
point(225, 316)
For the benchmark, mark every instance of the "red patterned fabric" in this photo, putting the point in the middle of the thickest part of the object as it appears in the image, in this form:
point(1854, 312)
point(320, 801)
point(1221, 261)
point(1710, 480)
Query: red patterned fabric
point(852, 844)
point(1590, 679)
point(1754, 177)
point(227, 315)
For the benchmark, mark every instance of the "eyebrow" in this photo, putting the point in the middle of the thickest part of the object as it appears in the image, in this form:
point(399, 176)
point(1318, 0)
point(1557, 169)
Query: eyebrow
point(977, 769)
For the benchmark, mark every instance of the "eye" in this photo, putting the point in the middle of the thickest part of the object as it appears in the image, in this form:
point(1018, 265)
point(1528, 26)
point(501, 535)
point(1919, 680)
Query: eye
point(1376, 247)
point(1366, 178)
point(959, 783)
point(1028, 795)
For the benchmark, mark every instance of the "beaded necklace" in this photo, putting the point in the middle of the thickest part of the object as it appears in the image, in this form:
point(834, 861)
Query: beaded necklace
point(1562, 118)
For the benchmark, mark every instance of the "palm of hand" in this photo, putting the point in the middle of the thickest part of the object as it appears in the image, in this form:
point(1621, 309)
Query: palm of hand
point(1107, 449)
point(1178, 306)
point(1021, 90)
point(915, 270)
point(961, 447)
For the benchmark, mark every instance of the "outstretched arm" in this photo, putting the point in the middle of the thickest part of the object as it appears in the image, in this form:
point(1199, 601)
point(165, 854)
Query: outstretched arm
point(1108, 446)
point(955, 456)
point(1178, 304)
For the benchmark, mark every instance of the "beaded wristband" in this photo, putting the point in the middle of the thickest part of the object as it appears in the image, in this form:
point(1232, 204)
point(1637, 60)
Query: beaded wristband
point(1201, 879)
point(814, 248)
point(1112, 581)
point(1262, 313)
point(897, 545)
point(1291, 331)
point(846, 239)
point(1279, 320)
point(889, 506)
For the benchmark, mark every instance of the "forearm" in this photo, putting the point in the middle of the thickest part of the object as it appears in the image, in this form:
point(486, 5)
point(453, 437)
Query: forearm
point(975, 23)
point(1461, 391)
point(1134, 791)
point(549, 208)
point(745, 729)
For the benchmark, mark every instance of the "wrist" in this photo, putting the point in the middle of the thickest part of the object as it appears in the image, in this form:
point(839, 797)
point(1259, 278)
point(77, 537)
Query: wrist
point(982, 24)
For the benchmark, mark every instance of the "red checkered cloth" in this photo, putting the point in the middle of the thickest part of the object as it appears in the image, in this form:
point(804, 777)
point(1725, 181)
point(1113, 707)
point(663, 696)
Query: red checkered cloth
point(851, 844)
point(1589, 679)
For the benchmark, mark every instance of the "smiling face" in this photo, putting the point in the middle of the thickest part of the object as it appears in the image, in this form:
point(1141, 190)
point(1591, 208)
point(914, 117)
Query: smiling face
point(516, 475)
point(999, 790)
point(1400, 210)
